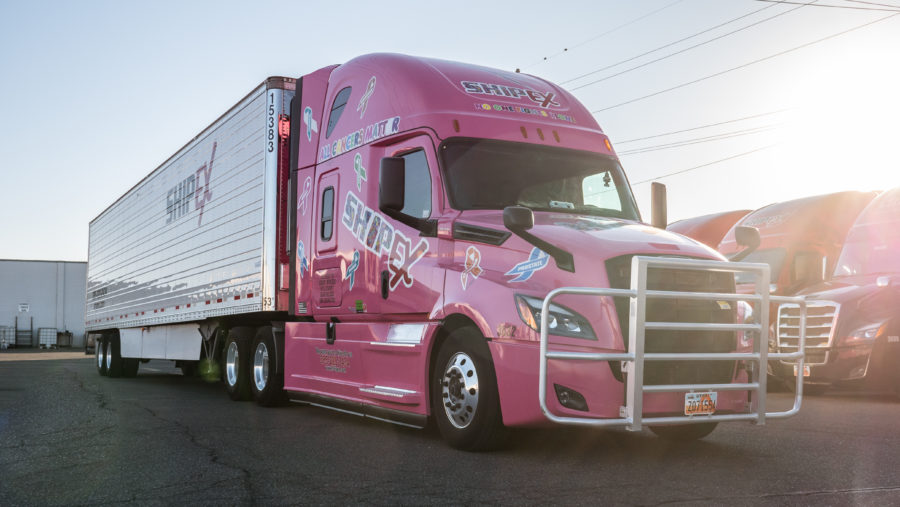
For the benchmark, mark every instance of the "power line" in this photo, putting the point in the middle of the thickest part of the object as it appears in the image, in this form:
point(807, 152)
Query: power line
point(682, 171)
point(896, 7)
point(872, 3)
point(668, 45)
point(619, 143)
point(611, 30)
point(698, 140)
point(747, 64)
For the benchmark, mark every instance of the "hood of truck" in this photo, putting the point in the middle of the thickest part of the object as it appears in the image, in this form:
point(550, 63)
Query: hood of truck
point(862, 302)
point(591, 241)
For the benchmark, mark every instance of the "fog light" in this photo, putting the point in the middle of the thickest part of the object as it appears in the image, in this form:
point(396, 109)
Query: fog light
point(570, 398)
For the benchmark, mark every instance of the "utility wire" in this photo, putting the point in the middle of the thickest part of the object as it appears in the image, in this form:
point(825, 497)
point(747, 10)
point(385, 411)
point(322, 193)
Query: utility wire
point(872, 3)
point(682, 85)
point(698, 140)
point(611, 30)
point(619, 143)
point(692, 47)
point(896, 7)
point(720, 25)
point(682, 171)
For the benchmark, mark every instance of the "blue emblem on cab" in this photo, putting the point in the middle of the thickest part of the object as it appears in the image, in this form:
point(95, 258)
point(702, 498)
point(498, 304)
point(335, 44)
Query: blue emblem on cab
point(523, 270)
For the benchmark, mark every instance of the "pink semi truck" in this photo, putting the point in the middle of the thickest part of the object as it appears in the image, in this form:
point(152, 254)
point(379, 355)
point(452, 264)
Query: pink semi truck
point(407, 238)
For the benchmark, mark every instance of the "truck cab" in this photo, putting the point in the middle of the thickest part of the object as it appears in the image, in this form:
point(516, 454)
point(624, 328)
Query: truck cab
point(800, 239)
point(708, 229)
point(854, 317)
point(439, 204)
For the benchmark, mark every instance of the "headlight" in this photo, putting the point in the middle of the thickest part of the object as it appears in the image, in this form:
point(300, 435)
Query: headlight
point(560, 322)
point(866, 333)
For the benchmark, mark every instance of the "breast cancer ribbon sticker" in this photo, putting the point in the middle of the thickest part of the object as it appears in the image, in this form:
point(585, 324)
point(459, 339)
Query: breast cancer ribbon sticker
point(311, 125)
point(522, 271)
point(301, 254)
point(304, 197)
point(364, 100)
point(473, 268)
point(359, 170)
point(351, 269)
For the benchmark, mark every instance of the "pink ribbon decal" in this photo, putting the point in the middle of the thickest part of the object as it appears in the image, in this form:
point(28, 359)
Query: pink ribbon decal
point(473, 261)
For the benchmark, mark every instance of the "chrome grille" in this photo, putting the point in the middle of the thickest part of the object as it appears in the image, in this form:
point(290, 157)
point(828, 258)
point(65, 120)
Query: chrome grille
point(821, 317)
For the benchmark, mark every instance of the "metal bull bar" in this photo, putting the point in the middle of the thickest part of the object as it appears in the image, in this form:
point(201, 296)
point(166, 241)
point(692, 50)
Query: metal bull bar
point(631, 415)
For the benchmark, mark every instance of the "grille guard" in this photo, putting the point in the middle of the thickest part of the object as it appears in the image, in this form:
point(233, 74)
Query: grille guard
point(631, 415)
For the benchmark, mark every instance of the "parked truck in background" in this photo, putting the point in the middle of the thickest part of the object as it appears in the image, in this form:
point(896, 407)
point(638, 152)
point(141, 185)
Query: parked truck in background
point(406, 238)
point(854, 317)
point(708, 229)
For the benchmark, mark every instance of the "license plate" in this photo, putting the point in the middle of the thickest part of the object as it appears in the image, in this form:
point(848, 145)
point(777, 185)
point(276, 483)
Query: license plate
point(700, 403)
point(805, 370)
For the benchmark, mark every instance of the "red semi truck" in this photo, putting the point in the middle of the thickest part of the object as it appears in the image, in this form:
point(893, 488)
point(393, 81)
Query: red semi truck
point(406, 238)
point(800, 239)
point(854, 317)
point(708, 229)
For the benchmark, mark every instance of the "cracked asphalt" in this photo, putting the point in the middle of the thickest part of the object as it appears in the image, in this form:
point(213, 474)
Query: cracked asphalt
point(71, 437)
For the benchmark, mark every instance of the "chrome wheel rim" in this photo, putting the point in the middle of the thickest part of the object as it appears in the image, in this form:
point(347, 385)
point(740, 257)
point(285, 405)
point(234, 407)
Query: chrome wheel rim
point(231, 368)
point(261, 366)
point(108, 355)
point(99, 350)
point(459, 388)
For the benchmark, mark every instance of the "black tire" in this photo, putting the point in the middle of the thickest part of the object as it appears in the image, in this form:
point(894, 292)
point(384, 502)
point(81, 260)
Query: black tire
point(684, 432)
point(113, 357)
point(464, 398)
point(130, 367)
point(236, 371)
point(266, 378)
point(100, 355)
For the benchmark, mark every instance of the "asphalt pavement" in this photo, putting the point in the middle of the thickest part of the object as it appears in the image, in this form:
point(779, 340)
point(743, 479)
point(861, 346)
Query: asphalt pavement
point(71, 437)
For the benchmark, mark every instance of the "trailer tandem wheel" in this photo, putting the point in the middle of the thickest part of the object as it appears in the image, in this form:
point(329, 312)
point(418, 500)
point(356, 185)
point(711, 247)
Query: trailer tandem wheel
point(237, 367)
point(266, 381)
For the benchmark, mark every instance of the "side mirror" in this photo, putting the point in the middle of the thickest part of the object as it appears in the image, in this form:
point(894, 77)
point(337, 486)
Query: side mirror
point(747, 237)
point(391, 184)
point(518, 218)
point(658, 205)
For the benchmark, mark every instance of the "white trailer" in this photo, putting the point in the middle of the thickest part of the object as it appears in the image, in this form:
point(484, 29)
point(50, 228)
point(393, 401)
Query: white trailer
point(203, 235)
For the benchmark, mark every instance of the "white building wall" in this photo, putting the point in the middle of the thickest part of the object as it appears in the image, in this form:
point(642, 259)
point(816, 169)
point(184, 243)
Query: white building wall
point(53, 291)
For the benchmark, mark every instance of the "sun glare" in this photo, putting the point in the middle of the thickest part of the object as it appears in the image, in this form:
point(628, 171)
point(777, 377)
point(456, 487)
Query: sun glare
point(843, 132)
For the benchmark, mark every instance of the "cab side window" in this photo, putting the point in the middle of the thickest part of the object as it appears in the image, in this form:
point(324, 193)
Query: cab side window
point(417, 195)
point(326, 228)
point(337, 109)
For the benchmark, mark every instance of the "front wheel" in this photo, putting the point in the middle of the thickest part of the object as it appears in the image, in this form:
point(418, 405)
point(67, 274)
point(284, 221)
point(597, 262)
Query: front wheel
point(684, 432)
point(464, 398)
point(266, 382)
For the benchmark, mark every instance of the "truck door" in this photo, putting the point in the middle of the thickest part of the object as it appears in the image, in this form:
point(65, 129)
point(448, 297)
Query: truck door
point(390, 267)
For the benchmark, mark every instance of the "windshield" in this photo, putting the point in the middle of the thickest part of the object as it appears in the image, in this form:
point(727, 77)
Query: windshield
point(485, 174)
point(870, 250)
point(774, 257)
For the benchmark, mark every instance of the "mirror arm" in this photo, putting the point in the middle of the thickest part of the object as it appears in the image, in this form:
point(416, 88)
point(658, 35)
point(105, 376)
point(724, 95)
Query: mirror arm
point(564, 259)
point(427, 227)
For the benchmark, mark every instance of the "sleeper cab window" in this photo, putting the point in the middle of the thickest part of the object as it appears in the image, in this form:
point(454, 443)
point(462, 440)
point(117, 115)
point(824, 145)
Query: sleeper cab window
point(337, 108)
point(417, 190)
point(327, 226)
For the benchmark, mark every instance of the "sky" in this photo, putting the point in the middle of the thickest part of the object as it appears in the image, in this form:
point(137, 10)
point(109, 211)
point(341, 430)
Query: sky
point(767, 101)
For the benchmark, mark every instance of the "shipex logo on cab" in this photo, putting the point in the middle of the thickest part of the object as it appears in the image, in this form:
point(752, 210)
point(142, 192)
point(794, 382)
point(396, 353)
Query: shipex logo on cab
point(543, 99)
